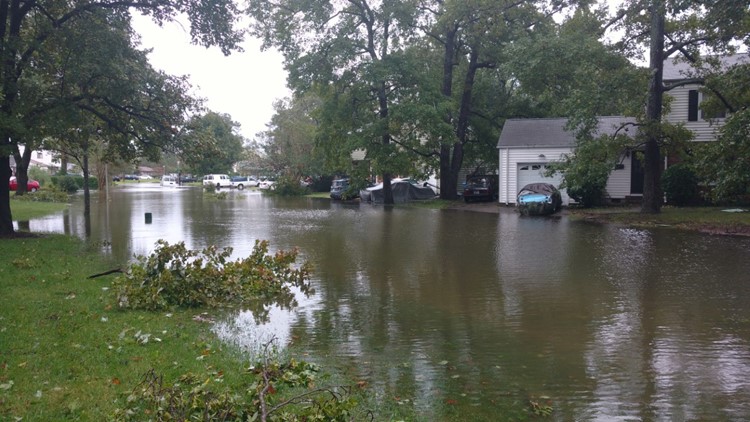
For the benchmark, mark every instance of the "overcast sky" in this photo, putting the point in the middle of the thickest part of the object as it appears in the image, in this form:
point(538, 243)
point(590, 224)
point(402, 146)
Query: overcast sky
point(243, 85)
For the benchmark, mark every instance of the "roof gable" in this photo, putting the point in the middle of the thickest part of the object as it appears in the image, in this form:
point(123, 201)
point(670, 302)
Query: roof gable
point(550, 133)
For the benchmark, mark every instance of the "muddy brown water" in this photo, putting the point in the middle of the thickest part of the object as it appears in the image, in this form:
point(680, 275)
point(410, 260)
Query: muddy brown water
point(477, 309)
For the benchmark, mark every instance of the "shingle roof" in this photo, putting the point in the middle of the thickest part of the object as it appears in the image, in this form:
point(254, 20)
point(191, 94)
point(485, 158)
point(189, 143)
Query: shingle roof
point(549, 132)
point(684, 70)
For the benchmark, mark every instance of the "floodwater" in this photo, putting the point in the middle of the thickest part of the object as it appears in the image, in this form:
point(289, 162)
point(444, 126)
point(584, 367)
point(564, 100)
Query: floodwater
point(441, 309)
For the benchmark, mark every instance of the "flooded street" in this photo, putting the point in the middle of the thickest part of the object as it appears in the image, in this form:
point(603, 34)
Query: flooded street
point(464, 310)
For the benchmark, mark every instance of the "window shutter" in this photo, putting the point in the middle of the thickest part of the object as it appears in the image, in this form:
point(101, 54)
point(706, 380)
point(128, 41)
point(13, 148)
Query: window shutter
point(693, 105)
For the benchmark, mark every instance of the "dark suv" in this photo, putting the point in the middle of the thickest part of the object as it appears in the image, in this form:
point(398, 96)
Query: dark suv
point(481, 188)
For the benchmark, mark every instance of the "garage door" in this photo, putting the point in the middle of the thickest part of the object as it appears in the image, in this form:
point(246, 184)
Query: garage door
point(534, 173)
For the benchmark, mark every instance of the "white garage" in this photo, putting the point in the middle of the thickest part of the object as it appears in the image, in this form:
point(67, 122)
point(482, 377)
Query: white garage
point(527, 146)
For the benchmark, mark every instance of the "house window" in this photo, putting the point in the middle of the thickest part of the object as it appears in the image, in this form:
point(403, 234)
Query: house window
point(694, 111)
point(693, 105)
point(39, 155)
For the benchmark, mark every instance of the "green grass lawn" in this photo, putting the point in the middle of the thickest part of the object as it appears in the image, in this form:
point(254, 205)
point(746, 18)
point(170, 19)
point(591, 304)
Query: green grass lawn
point(67, 353)
point(708, 219)
point(26, 210)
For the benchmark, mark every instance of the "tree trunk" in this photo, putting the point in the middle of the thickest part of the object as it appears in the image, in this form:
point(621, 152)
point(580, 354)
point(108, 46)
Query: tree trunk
point(22, 168)
point(6, 220)
point(464, 112)
point(86, 193)
point(386, 139)
point(452, 152)
point(63, 165)
point(101, 177)
point(448, 180)
point(652, 193)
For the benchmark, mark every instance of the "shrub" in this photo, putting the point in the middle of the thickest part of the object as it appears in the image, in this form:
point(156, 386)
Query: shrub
point(51, 194)
point(65, 183)
point(40, 175)
point(175, 276)
point(587, 194)
point(289, 186)
point(585, 172)
point(350, 193)
point(680, 185)
point(93, 182)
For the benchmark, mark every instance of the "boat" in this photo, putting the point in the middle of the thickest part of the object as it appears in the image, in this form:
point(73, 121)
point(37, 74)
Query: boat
point(538, 199)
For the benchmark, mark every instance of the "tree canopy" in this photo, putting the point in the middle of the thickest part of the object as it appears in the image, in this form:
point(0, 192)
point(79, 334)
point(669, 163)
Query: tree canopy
point(30, 29)
point(214, 143)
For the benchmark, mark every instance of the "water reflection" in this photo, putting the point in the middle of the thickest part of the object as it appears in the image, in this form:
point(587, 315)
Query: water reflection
point(479, 309)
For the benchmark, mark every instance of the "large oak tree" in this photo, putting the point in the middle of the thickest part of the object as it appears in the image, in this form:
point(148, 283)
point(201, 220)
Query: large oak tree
point(351, 52)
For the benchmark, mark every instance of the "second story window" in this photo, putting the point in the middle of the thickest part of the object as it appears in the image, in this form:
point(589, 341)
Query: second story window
point(694, 112)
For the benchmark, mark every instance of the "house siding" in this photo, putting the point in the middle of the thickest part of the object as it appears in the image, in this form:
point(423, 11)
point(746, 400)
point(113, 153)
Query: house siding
point(704, 130)
point(510, 158)
point(618, 184)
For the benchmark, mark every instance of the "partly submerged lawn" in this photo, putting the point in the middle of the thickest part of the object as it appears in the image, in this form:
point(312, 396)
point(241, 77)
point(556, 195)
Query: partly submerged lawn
point(66, 353)
point(720, 220)
point(26, 210)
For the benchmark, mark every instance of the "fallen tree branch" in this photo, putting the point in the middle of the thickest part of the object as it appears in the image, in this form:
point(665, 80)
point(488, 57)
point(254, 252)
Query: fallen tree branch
point(116, 270)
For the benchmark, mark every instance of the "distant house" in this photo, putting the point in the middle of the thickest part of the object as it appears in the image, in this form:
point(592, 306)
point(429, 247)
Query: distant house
point(44, 159)
point(150, 171)
point(527, 146)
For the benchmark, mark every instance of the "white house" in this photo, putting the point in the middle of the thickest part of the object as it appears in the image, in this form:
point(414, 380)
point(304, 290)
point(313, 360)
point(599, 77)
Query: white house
point(687, 98)
point(526, 146)
point(48, 160)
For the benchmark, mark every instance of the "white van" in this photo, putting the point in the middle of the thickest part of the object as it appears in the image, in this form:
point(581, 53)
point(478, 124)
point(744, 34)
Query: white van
point(217, 180)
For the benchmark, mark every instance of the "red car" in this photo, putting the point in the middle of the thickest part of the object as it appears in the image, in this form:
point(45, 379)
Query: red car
point(31, 186)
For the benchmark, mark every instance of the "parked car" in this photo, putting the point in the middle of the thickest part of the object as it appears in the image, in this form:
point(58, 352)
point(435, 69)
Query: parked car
point(130, 177)
point(145, 177)
point(31, 185)
point(404, 190)
point(188, 179)
point(241, 182)
point(168, 180)
point(480, 188)
point(266, 184)
point(538, 199)
point(338, 188)
point(217, 180)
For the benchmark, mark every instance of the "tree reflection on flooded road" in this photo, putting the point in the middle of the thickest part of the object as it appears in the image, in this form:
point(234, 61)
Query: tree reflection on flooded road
point(475, 309)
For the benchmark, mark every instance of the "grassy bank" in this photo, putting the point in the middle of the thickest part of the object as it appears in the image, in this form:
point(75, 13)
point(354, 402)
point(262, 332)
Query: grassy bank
point(26, 210)
point(66, 353)
point(704, 219)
